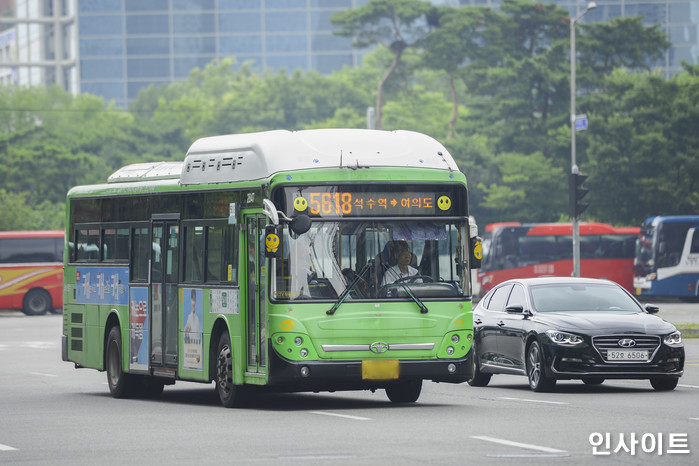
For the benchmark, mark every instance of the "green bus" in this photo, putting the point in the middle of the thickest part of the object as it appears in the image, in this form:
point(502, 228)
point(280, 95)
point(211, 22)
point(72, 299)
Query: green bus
point(264, 260)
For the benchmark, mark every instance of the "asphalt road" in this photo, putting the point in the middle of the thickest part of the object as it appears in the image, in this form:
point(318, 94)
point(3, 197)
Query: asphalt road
point(51, 413)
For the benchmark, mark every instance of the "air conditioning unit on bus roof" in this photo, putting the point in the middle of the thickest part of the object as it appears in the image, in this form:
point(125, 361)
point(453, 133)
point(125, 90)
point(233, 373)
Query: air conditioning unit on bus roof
point(253, 156)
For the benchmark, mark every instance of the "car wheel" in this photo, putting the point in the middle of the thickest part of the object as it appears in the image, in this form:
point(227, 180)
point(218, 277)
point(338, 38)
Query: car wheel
point(404, 392)
point(664, 384)
point(121, 384)
point(538, 380)
point(36, 303)
point(593, 380)
point(478, 379)
point(231, 395)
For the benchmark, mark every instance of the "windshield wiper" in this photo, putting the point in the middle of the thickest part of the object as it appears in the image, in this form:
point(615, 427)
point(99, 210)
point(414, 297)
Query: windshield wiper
point(349, 287)
point(421, 305)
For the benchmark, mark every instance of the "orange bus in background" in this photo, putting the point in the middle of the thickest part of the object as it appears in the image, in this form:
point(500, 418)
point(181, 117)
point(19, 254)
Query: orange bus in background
point(515, 250)
point(31, 271)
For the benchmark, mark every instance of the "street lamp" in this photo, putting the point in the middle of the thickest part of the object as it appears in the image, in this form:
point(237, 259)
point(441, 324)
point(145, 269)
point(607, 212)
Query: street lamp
point(574, 167)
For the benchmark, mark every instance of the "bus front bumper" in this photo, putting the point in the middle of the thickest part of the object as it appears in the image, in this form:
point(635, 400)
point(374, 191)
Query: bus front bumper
point(286, 375)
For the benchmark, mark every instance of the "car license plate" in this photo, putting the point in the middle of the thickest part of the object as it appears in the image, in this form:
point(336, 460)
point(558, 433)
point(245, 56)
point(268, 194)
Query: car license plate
point(627, 355)
point(380, 369)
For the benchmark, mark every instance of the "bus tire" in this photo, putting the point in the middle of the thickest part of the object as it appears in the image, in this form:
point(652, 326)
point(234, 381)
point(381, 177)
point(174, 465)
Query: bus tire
point(230, 394)
point(37, 302)
point(153, 387)
point(407, 391)
point(121, 384)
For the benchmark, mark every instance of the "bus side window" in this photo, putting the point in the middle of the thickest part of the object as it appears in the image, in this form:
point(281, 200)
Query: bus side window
point(87, 241)
point(194, 253)
point(214, 254)
point(140, 254)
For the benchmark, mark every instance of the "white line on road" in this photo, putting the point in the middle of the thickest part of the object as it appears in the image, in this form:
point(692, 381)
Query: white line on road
point(687, 386)
point(347, 416)
point(533, 401)
point(43, 374)
point(6, 448)
point(517, 444)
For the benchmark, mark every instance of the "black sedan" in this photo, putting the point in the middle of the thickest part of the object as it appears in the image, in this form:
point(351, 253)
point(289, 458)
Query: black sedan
point(558, 328)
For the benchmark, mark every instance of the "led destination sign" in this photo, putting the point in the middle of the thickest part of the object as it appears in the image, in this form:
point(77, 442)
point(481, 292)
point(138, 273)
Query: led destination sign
point(359, 201)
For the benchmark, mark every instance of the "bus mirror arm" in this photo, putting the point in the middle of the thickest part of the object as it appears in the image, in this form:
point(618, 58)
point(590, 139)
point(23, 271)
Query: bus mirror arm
point(299, 224)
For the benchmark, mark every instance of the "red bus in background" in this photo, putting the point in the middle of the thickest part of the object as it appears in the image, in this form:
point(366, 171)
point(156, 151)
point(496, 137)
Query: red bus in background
point(31, 271)
point(515, 250)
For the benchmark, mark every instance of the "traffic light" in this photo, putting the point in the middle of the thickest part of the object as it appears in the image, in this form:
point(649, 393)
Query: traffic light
point(577, 192)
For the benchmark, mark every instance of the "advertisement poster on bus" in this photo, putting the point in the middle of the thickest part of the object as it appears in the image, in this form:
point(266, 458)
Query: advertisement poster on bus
point(192, 305)
point(223, 301)
point(138, 325)
point(102, 285)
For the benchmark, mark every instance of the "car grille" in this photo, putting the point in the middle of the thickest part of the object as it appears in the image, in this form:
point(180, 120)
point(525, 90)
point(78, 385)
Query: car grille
point(605, 343)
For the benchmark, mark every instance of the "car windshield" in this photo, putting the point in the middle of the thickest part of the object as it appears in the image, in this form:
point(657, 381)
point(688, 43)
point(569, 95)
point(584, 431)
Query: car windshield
point(579, 297)
point(352, 260)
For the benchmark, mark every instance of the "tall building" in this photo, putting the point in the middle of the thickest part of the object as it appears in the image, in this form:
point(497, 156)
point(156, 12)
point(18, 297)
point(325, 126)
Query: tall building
point(115, 48)
point(44, 50)
point(126, 45)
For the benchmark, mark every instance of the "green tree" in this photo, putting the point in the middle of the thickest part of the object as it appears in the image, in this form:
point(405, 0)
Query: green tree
point(392, 24)
point(644, 148)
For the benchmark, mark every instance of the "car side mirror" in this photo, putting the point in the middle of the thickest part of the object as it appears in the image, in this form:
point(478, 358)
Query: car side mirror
point(652, 308)
point(515, 309)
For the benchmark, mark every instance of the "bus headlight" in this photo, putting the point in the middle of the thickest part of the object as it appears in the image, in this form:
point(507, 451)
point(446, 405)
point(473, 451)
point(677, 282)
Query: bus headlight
point(298, 341)
point(455, 338)
point(303, 353)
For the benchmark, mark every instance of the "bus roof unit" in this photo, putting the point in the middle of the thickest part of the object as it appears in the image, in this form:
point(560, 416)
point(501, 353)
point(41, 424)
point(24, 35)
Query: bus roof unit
point(237, 157)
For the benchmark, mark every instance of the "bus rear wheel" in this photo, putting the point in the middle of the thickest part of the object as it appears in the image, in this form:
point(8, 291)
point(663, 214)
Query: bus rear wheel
point(404, 392)
point(36, 303)
point(231, 395)
point(121, 384)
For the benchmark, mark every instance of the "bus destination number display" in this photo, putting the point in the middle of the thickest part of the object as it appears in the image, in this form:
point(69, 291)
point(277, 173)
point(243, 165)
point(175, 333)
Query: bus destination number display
point(372, 204)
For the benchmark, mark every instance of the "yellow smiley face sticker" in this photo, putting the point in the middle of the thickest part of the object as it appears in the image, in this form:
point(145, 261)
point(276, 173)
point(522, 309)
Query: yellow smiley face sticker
point(444, 203)
point(272, 242)
point(300, 204)
point(478, 250)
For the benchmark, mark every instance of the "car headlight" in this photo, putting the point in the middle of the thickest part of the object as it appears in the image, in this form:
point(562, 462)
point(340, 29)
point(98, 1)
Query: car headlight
point(675, 338)
point(563, 338)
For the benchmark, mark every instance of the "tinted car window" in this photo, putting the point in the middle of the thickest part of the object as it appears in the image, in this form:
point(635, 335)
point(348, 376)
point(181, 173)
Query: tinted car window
point(517, 297)
point(579, 297)
point(497, 302)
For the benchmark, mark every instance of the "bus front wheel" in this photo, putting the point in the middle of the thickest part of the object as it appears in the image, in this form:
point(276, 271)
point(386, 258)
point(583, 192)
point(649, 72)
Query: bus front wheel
point(404, 392)
point(230, 394)
point(36, 303)
point(121, 384)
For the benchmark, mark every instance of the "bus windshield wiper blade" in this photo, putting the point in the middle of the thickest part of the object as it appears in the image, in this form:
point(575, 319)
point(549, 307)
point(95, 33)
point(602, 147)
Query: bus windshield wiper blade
point(421, 305)
point(348, 289)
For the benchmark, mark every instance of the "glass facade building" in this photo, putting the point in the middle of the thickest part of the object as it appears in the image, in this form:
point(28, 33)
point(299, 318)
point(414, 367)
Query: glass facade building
point(126, 45)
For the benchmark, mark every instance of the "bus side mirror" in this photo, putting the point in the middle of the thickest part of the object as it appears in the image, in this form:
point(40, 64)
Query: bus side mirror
point(273, 241)
point(476, 252)
point(300, 224)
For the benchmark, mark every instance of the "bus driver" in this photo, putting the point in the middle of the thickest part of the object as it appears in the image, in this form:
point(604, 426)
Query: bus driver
point(402, 269)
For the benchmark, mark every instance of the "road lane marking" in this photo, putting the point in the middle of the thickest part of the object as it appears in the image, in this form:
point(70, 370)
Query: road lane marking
point(346, 416)
point(6, 448)
point(683, 385)
point(43, 374)
point(518, 444)
point(533, 401)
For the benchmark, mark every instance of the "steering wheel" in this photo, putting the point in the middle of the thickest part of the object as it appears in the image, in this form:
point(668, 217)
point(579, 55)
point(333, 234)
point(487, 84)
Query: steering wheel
point(414, 278)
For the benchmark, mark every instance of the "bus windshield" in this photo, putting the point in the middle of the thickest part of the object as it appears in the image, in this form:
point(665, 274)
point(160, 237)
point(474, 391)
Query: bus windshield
point(381, 259)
